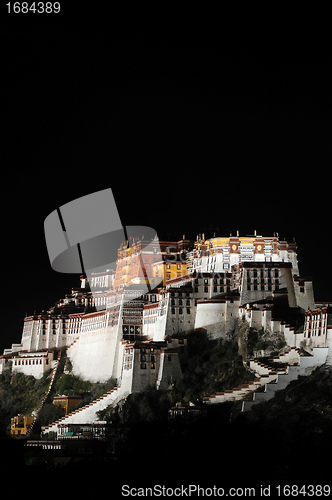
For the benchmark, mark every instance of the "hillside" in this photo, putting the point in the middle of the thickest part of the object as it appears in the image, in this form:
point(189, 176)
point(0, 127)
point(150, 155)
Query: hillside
point(283, 439)
point(211, 366)
point(21, 393)
point(300, 416)
point(286, 440)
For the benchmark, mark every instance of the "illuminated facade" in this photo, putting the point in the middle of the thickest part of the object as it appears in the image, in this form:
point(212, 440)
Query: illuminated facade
point(168, 269)
point(20, 425)
point(66, 402)
point(124, 329)
point(220, 254)
point(140, 260)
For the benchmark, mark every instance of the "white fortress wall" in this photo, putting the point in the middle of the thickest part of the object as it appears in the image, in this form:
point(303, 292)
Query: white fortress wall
point(217, 316)
point(118, 360)
point(160, 326)
point(169, 369)
point(266, 319)
point(92, 355)
point(290, 287)
point(291, 338)
point(28, 335)
point(127, 368)
point(34, 364)
point(150, 318)
point(45, 332)
point(155, 319)
point(232, 308)
point(210, 312)
point(329, 345)
point(304, 293)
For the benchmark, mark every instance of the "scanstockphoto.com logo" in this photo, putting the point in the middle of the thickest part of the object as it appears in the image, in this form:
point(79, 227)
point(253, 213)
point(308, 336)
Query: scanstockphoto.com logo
point(261, 491)
point(84, 236)
point(191, 490)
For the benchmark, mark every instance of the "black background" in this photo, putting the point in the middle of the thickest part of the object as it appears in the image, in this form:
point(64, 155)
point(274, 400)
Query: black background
point(206, 126)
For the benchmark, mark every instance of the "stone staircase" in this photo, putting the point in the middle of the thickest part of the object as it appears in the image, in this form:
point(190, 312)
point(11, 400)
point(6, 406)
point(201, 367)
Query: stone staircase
point(239, 393)
point(36, 413)
point(271, 377)
point(88, 413)
point(302, 366)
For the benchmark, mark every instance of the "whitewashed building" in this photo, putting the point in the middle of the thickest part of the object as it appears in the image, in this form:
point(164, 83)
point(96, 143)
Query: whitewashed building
point(220, 254)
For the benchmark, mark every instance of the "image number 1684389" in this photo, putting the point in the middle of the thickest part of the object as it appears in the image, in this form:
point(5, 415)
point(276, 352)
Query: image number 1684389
point(33, 7)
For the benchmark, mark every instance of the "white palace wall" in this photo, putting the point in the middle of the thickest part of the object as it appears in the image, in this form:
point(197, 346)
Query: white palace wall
point(50, 331)
point(93, 354)
point(34, 364)
point(155, 319)
point(217, 316)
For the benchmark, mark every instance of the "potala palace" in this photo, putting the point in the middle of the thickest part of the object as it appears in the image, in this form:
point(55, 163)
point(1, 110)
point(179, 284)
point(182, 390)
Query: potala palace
point(131, 322)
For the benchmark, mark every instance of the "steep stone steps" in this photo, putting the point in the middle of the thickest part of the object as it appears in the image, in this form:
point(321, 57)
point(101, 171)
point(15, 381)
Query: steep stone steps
point(88, 413)
point(304, 366)
point(270, 377)
point(238, 393)
point(55, 370)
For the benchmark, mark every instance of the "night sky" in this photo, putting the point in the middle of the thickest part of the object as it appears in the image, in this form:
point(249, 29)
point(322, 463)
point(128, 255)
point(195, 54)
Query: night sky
point(193, 133)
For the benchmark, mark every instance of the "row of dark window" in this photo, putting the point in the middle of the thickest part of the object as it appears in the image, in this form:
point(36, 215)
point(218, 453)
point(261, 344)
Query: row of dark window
point(143, 365)
point(180, 302)
point(180, 294)
point(180, 310)
point(222, 289)
point(262, 287)
point(262, 281)
point(216, 281)
point(267, 272)
point(28, 362)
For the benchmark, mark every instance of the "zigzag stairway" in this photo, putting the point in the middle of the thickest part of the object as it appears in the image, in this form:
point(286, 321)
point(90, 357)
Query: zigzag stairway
point(273, 375)
point(88, 413)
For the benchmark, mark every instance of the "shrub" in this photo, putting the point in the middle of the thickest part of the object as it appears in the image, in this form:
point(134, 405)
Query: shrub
point(213, 366)
point(148, 406)
point(69, 385)
point(49, 413)
point(19, 393)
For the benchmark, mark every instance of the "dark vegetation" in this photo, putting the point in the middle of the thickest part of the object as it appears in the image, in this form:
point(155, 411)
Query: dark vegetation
point(301, 413)
point(67, 385)
point(19, 393)
point(291, 433)
point(212, 366)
